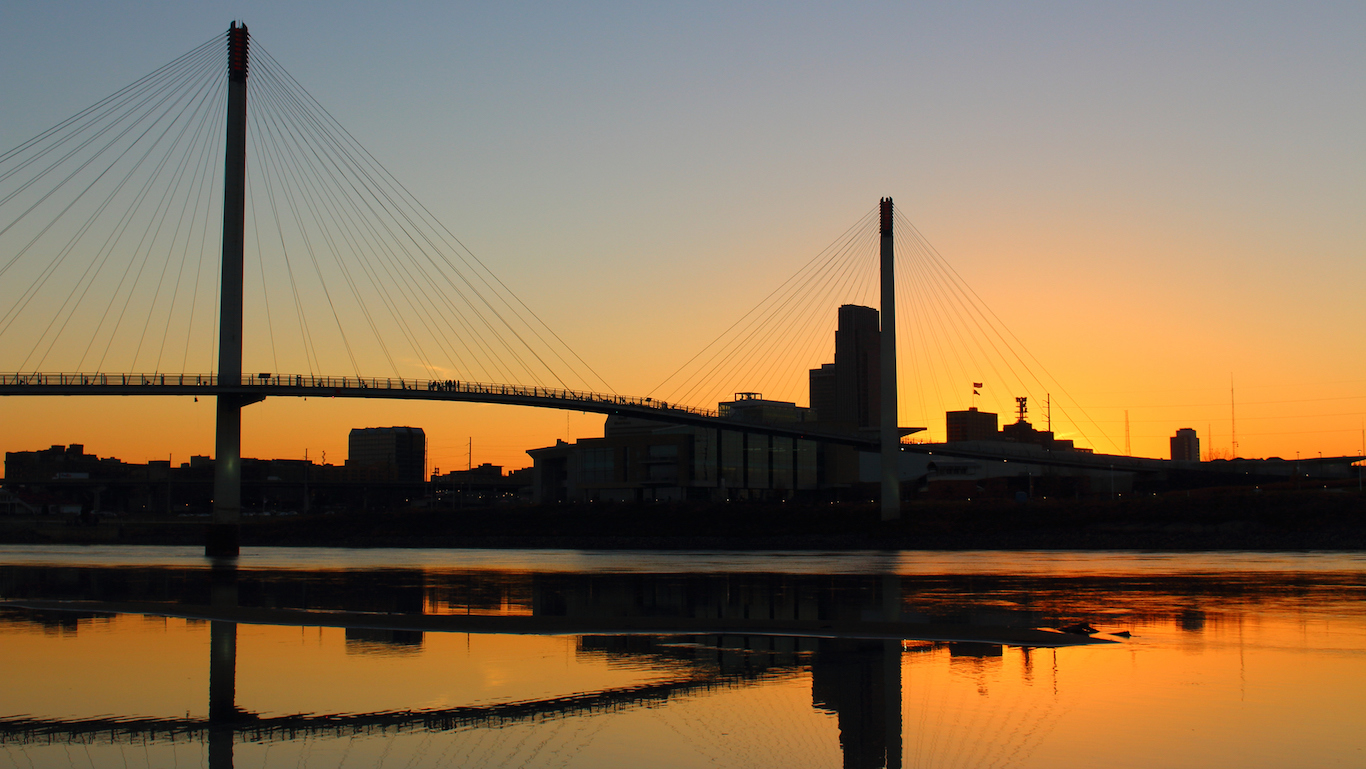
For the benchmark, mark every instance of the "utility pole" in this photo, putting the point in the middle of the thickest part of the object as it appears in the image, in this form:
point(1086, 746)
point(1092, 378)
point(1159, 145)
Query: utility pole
point(308, 468)
point(891, 437)
point(221, 539)
point(1232, 417)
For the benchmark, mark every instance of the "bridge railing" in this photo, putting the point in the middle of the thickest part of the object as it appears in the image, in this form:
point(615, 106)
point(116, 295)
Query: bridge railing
point(258, 382)
point(110, 380)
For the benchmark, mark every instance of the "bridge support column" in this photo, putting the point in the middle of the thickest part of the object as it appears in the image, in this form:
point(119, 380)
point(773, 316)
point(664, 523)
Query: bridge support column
point(891, 436)
point(221, 540)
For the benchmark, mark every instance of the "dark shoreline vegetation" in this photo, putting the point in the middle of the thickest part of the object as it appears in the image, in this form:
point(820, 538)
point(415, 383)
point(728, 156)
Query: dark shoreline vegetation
point(1215, 519)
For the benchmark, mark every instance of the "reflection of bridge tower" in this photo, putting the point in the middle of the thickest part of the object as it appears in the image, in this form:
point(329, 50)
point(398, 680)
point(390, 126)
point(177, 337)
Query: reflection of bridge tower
point(223, 711)
point(227, 475)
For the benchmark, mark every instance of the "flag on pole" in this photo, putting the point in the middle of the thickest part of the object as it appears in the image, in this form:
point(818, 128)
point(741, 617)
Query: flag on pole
point(976, 384)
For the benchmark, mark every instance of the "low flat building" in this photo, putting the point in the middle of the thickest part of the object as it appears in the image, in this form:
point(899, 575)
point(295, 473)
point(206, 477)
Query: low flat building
point(482, 485)
point(637, 460)
point(970, 425)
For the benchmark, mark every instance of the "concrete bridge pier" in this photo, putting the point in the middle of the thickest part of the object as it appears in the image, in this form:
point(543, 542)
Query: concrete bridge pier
point(222, 537)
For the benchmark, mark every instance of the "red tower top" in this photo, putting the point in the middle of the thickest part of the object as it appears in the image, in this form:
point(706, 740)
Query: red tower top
point(886, 216)
point(237, 52)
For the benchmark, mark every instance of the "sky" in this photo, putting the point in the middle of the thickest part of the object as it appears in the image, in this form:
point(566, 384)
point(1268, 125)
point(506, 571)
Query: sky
point(1162, 201)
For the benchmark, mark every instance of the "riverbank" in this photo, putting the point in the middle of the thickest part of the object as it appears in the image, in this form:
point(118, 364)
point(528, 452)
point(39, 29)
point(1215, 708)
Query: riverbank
point(1239, 519)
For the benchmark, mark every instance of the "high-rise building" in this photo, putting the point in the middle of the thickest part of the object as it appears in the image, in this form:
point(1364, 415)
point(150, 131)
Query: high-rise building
point(823, 392)
point(847, 393)
point(399, 450)
point(1186, 445)
point(971, 425)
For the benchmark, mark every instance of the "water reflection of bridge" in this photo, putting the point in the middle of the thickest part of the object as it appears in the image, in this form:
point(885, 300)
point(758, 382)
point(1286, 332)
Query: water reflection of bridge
point(712, 632)
point(250, 727)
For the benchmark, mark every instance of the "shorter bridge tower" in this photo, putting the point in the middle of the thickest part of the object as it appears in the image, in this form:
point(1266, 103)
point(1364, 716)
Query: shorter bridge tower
point(891, 435)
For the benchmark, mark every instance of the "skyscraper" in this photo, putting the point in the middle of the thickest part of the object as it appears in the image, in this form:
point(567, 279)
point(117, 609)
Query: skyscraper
point(846, 393)
point(404, 449)
point(1186, 445)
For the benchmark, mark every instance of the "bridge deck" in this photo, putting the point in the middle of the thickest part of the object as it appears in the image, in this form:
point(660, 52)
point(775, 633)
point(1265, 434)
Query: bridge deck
point(308, 385)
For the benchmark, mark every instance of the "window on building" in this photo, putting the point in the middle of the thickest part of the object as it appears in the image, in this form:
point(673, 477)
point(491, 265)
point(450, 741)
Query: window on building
point(596, 466)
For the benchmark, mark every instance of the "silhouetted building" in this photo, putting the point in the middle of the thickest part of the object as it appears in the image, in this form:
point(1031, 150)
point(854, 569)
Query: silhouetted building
point(756, 409)
point(846, 395)
point(847, 392)
point(823, 392)
point(971, 425)
point(58, 463)
point(1186, 445)
point(482, 485)
point(637, 467)
point(399, 452)
point(1024, 432)
point(641, 460)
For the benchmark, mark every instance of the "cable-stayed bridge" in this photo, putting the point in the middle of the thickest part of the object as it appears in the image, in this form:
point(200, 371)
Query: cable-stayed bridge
point(144, 235)
point(114, 218)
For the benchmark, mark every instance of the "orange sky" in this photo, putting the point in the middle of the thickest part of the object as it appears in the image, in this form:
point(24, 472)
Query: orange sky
point(1110, 182)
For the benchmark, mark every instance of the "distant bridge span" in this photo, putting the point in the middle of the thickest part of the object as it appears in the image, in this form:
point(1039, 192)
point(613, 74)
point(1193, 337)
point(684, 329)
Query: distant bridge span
point(256, 388)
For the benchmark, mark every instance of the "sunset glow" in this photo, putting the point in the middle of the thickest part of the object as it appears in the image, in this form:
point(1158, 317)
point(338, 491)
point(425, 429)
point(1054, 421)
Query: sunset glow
point(1166, 250)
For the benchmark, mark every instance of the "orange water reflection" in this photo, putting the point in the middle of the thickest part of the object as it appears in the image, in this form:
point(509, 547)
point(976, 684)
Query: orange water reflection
point(1255, 666)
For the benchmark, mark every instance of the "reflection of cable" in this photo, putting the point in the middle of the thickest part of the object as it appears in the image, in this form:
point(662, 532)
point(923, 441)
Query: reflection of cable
point(960, 724)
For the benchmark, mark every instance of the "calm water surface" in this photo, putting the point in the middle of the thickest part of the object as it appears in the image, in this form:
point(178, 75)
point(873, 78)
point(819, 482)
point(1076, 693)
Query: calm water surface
point(410, 658)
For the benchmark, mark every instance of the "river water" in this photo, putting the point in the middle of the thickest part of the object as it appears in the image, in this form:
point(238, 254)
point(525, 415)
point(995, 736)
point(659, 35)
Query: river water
point(153, 656)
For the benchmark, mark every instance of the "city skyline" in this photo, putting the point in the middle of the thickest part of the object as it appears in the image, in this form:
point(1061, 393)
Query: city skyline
point(1157, 261)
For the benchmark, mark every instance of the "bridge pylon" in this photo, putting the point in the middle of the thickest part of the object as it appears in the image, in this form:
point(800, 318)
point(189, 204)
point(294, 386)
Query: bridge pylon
point(221, 539)
point(890, 434)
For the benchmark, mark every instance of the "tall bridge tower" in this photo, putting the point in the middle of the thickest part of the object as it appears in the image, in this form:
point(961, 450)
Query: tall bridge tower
point(891, 436)
point(222, 536)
